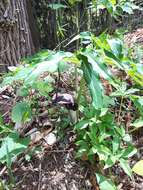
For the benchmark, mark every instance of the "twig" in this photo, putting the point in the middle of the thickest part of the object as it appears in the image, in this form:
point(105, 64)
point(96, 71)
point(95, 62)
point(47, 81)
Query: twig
point(40, 176)
point(3, 170)
point(64, 41)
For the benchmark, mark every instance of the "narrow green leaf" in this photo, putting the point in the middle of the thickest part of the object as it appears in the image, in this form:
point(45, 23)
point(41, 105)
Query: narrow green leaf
point(124, 164)
point(93, 82)
point(82, 124)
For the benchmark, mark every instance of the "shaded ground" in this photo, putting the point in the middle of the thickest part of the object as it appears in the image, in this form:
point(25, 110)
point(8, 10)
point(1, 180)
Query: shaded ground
point(134, 38)
point(55, 169)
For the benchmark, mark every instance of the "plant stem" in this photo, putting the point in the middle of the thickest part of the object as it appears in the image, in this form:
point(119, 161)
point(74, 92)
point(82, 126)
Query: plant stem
point(77, 47)
point(120, 110)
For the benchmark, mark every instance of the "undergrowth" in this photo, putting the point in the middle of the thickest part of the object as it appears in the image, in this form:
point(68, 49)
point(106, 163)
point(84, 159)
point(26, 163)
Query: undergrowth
point(108, 76)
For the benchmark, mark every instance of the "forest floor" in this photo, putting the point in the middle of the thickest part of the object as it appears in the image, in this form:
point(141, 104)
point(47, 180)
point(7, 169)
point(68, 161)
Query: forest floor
point(55, 168)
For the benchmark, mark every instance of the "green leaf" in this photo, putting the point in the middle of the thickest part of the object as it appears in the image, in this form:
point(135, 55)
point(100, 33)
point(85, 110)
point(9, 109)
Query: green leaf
point(93, 82)
point(138, 123)
point(50, 66)
point(23, 91)
point(97, 64)
point(82, 36)
point(110, 162)
point(129, 152)
point(115, 144)
point(124, 164)
point(56, 6)
point(131, 91)
point(138, 102)
point(92, 151)
point(105, 183)
point(14, 145)
point(116, 47)
point(21, 112)
point(82, 124)
point(103, 112)
point(138, 168)
point(127, 138)
point(43, 87)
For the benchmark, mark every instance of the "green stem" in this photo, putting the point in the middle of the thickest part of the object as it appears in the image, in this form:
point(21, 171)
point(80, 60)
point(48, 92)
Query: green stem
point(77, 47)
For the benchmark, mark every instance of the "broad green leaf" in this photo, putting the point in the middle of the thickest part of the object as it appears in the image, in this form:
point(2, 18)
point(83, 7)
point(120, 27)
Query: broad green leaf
point(63, 66)
point(138, 168)
point(21, 112)
point(50, 66)
point(105, 183)
point(43, 87)
point(14, 144)
point(112, 59)
point(21, 74)
point(116, 47)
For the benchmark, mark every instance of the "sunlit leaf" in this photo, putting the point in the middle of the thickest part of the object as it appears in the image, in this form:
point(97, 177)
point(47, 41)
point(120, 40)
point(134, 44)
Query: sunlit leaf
point(56, 6)
point(138, 168)
point(105, 183)
point(124, 164)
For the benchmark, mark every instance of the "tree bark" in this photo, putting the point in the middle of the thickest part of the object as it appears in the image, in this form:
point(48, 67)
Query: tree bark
point(15, 35)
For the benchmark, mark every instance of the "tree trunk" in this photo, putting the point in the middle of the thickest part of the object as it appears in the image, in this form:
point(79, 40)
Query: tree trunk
point(15, 35)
